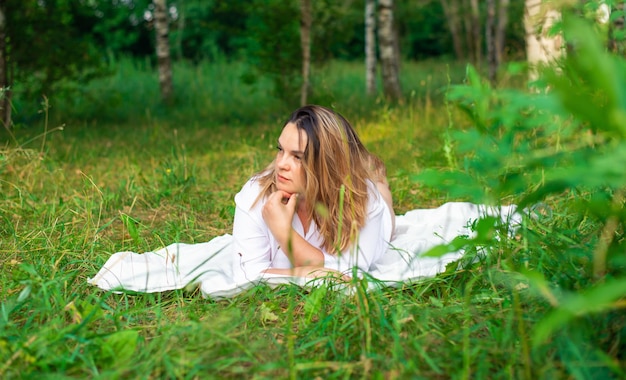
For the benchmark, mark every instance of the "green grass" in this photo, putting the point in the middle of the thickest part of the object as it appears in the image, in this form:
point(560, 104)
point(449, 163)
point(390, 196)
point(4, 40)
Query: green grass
point(175, 171)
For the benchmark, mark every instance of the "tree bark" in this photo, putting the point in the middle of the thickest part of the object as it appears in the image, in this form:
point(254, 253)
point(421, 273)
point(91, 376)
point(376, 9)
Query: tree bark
point(541, 47)
point(490, 40)
point(305, 43)
point(451, 11)
point(475, 31)
point(500, 31)
point(389, 56)
point(467, 23)
point(163, 50)
point(5, 90)
point(495, 29)
point(370, 46)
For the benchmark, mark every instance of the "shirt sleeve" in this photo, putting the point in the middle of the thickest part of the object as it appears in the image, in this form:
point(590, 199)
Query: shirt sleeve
point(252, 246)
point(373, 239)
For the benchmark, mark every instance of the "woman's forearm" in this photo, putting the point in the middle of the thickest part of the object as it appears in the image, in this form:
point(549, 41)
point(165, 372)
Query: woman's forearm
point(308, 272)
point(299, 251)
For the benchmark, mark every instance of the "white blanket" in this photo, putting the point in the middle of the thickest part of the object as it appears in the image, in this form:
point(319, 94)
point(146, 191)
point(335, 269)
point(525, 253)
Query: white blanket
point(208, 265)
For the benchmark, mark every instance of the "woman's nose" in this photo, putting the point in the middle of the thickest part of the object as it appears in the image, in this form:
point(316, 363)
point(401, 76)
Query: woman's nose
point(282, 162)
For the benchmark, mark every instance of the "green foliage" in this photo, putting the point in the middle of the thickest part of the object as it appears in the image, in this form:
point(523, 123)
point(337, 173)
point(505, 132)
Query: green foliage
point(275, 49)
point(49, 46)
point(205, 93)
point(119, 27)
point(617, 34)
point(57, 48)
point(423, 29)
point(544, 142)
point(562, 144)
point(274, 41)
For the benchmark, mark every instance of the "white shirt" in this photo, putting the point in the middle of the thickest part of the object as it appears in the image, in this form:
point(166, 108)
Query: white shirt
point(256, 249)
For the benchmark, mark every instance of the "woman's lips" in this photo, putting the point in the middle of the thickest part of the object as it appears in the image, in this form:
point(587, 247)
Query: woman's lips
point(280, 178)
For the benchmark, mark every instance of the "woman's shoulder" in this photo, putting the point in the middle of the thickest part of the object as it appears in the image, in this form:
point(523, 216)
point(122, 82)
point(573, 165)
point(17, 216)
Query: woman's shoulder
point(374, 195)
point(249, 193)
point(380, 205)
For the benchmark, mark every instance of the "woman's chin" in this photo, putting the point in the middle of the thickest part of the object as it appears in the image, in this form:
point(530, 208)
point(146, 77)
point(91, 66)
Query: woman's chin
point(285, 189)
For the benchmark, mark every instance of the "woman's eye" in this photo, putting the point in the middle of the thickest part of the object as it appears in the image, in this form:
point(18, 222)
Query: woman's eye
point(278, 148)
point(299, 158)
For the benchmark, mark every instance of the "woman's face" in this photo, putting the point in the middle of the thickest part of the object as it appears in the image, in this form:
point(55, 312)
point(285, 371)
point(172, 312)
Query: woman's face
point(289, 167)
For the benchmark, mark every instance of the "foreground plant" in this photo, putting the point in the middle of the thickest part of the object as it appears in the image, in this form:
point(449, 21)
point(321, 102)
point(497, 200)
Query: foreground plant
point(561, 145)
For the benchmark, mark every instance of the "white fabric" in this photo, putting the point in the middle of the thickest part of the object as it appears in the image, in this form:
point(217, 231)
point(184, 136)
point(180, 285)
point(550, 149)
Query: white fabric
point(211, 265)
point(257, 249)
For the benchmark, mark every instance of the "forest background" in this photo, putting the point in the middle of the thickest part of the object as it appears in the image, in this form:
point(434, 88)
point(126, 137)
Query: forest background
point(95, 160)
point(57, 49)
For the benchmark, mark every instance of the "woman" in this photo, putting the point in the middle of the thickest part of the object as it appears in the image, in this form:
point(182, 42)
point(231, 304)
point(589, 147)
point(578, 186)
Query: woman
point(321, 207)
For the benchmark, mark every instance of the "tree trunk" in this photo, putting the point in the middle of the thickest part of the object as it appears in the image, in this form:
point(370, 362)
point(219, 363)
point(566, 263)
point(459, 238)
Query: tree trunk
point(500, 31)
point(475, 31)
point(370, 46)
point(5, 91)
point(468, 22)
point(451, 11)
point(490, 40)
point(305, 43)
point(389, 56)
point(541, 47)
point(163, 50)
point(495, 29)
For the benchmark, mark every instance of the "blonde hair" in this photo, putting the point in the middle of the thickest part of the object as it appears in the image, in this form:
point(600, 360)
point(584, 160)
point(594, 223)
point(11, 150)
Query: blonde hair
point(334, 157)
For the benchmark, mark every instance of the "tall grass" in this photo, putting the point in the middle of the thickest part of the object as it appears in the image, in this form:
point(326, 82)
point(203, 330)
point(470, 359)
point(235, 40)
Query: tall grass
point(137, 177)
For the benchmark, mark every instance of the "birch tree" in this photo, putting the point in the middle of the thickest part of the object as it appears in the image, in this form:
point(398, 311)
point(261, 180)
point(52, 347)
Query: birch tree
point(163, 50)
point(305, 43)
point(542, 46)
point(389, 55)
point(370, 46)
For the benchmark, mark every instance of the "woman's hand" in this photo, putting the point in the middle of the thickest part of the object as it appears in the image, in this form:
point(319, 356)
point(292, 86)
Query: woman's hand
point(278, 214)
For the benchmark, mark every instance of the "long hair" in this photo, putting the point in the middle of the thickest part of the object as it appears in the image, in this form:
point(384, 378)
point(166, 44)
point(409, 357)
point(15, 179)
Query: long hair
point(334, 157)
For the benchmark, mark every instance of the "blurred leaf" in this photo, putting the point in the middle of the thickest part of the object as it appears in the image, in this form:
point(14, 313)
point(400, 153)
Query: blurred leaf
point(267, 315)
point(592, 88)
point(457, 183)
point(485, 228)
point(119, 346)
point(24, 293)
point(456, 244)
point(314, 302)
point(542, 192)
point(131, 226)
point(602, 297)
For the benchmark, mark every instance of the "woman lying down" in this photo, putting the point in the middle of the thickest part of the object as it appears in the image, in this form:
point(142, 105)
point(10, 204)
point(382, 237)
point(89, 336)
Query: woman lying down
point(323, 206)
